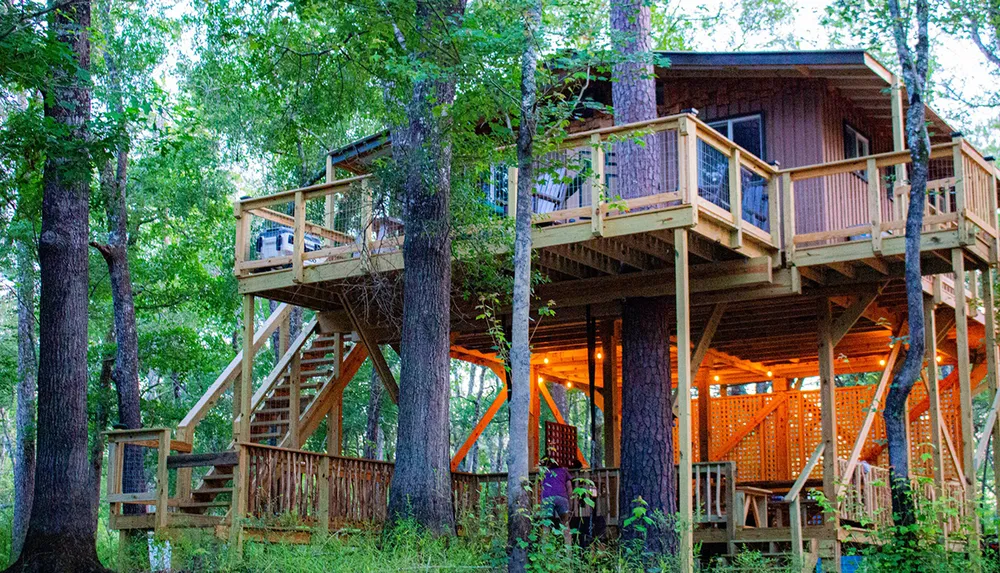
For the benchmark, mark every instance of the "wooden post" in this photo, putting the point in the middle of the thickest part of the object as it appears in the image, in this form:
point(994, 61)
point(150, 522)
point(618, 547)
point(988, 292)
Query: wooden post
point(512, 192)
point(596, 187)
point(828, 407)
point(243, 391)
point(299, 246)
point(780, 385)
point(295, 396)
point(961, 201)
point(687, 154)
point(788, 229)
point(534, 420)
point(992, 368)
point(335, 425)
point(367, 205)
point(964, 374)
point(238, 510)
point(875, 205)
point(323, 482)
point(898, 128)
point(162, 481)
point(242, 237)
point(685, 497)
point(704, 380)
point(933, 395)
point(609, 378)
point(774, 212)
point(736, 198)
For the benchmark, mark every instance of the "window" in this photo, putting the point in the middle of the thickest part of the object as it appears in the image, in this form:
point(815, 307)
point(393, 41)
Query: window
point(746, 131)
point(855, 144)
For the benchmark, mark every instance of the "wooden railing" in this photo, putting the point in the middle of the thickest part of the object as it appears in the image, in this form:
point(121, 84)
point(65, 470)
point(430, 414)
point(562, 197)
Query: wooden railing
point(155, 500)
point(867, 498)
point(793, 497)
point(961, 193)
point(577, 182)
point(294, 487)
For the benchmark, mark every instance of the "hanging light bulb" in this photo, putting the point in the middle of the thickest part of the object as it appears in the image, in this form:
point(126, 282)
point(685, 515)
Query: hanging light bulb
point(541, 380)
point(881, 362)
point(716, 378)
point(545, 360)
point(598, 355)
point(569, 385)
point(769, 373)
point(939, 359)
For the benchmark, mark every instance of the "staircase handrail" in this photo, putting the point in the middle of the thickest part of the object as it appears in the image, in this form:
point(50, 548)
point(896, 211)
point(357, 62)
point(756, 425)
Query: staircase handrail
point(793, 493)
point(185, 430)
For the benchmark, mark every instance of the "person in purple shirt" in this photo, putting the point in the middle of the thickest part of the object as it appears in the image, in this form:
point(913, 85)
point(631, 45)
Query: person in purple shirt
point(556, 487)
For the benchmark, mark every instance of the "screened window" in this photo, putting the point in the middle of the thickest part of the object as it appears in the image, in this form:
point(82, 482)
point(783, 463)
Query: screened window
point(747, 131)
point(855, 144)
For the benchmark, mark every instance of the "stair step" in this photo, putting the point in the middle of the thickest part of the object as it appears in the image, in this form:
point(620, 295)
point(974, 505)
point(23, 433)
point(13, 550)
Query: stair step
point(271, 411)
point(319, 361)
point(211, 490)
point(218, 477)
point(265, 436)
point(199, 504)
point(269, 423)
point(316, 373)
point(307, 386)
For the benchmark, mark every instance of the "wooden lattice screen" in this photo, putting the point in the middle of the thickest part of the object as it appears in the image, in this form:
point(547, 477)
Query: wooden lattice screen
point(560, 443)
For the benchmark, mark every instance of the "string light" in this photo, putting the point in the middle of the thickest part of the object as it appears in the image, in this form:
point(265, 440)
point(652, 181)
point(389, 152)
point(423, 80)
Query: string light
point(939, 359)
point(716, 378)
point(569, 385)
point(598, 355)
point(769, 373)
point(541, 380)
point(545, 360)
point(881, 362)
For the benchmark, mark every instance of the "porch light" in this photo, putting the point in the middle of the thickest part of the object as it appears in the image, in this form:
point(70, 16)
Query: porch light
point(939, 359)
point(881, 362)
point(716, 378)
point(599, 355)
point(545, 360)
point(769, 373)
point(569, 385)
point(541, 380)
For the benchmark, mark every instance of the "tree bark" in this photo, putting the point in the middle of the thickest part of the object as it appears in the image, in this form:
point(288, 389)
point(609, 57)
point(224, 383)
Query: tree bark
point(62, 528)
point(421, 483)
point(647, 446)
point(914, 68)
point(375, 393)
point(518, 502)
point(647, 455)
point(27, 371)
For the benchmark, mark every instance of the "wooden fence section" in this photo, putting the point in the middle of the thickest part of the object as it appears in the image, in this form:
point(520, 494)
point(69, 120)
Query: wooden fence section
point(866, 200)
point(770, 436)
point(577, 183)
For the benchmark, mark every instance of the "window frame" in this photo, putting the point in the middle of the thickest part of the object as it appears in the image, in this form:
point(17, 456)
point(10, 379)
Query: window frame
point(730, 120)
point(851, 132)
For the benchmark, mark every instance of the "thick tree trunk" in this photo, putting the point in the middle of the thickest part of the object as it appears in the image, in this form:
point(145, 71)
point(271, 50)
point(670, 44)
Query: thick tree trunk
point(375, 392)
point(558, 392)
point(647, 455)
point(915, 75)
point(518, 502)
point(27, 372)
point(647, 447)
point(62, 528)
point(421, 483)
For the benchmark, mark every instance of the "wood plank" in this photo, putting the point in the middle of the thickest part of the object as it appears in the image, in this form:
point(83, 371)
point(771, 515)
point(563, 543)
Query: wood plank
point(828, 404)
point(751, 425)
point(851, 314)
point(378, 359)
point(477, 431)
point(964, 373)
point(683, 312)
point(213, 459)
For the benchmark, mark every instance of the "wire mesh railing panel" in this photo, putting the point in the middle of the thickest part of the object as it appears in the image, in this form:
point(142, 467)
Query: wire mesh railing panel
point(713, 175)
point(755, 199)
point(641, 166)
point(494, 184)
point(563, 180)
point(269, 238)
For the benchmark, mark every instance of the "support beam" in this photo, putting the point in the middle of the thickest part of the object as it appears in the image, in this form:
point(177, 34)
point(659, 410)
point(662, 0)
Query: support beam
point(704, 378)
point(992, 373)
point(851, 314)
point(705, 340)
point(964, 374)
point(828, 406)
point(335, 424)
point(873, 409)
point(685, 495)
point(243, 391)
point(933, 393)
point(378, 359)
point(463, 450)
point(611, 392)
point(534, 419)
point(751, 425)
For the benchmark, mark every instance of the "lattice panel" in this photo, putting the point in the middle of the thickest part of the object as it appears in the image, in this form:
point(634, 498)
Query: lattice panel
point(797, 423)
point(560, 443)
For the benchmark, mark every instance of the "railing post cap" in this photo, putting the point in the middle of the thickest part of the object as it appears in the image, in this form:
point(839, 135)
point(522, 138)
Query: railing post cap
point(956, 134)
point(990, 158)
point(775, 163)
point(691, 110)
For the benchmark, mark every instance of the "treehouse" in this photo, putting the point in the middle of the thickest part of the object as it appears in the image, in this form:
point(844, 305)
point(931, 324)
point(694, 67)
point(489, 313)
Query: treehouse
point(777, 227)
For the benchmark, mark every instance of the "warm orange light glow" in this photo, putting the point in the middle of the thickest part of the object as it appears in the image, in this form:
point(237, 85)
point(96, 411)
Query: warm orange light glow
point(881, 362)
point(716, 378)
point(598, 355)
point(541, 380)
point(769, 373)
point(569, 385)
point(939, 359)
point(545, 360)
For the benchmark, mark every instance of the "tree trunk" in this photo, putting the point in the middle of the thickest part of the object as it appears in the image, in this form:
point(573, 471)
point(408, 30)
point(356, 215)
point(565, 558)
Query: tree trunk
point(647, 446)
point(647, 456)
point(558, 392)
point(375, 392)
point(518, 502)
point(27, 371)
point(421, 483)
point(62, 528)
point(915, 75)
